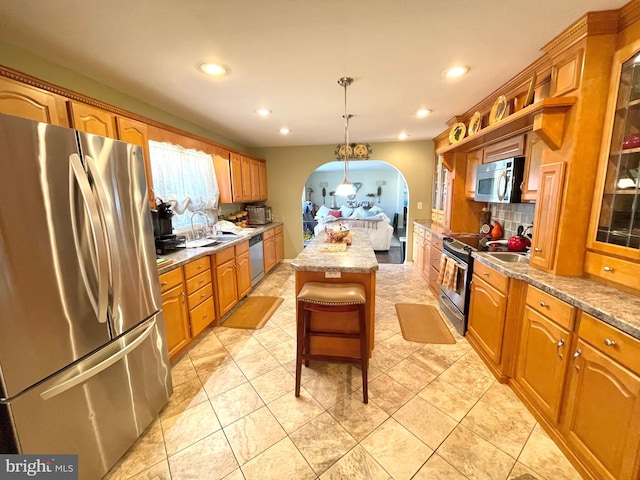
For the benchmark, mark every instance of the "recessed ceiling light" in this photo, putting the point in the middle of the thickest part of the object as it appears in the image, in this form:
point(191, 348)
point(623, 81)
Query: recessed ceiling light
point(423, 112)
point(455, 72)
point(263, 112)
point(214, 69)
point(403, 136)
point(284, 131)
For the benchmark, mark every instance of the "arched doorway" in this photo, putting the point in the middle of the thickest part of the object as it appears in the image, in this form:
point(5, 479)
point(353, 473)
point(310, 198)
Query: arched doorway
point(381, 188)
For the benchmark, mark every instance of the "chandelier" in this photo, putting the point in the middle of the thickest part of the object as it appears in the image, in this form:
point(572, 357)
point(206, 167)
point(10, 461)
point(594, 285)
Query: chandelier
point(346, 188)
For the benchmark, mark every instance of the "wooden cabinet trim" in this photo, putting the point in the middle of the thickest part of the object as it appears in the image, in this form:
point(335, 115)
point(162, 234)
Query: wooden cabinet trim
point(512, 147)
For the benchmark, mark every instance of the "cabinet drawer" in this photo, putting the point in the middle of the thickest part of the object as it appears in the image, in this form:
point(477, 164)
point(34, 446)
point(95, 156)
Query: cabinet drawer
point(610, 341)
point(279, 229)
point(436, 242)
point(555, 309)
point(242, 248)
point(200, 295)
point(434, 258)
point(201, 316)
point(197, 266)
point(433, 281)
point(198, 281)
point(168, 280)
point(612, 269)
point(225, 255)
point(494, 278)
point(268, 234)
point(512, 147)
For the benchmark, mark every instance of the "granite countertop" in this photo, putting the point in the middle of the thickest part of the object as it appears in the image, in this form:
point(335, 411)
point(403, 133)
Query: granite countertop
point(358, 257)
point(614, 307)
point(186, 255)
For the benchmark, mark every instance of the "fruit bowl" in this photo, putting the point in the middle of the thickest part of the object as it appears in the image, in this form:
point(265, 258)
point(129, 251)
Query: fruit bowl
point(337, 234)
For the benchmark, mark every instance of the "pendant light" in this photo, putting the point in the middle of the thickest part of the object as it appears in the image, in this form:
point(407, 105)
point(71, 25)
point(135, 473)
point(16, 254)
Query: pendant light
point(345, 188)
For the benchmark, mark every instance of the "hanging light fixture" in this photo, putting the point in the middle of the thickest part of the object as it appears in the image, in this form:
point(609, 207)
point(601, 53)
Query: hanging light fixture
point(346, 188)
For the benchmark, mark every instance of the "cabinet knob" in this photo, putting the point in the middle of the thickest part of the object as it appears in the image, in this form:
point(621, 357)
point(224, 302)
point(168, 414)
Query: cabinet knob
point(162, 284)
point(205, 315)
point(486, 274)
point(608, 269)
point(609, 343)
point(537, 249)
point(203, 295)
point(542, 304)
point(201, 282)
point(200, 267)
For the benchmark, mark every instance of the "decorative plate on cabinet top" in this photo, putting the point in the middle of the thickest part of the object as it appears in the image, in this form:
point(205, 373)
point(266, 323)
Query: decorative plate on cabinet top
point(475, 123)
point(498, 110)
point(457, 132)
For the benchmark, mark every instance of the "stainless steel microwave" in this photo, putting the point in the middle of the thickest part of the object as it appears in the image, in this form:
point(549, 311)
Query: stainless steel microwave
point(500, 182)
point(258, 214)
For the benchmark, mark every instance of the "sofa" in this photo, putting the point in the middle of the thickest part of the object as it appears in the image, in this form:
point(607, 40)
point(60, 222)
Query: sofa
point(374, 220)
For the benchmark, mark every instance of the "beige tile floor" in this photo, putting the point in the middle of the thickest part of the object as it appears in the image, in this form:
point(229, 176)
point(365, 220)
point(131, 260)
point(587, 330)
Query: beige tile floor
point(434, 412)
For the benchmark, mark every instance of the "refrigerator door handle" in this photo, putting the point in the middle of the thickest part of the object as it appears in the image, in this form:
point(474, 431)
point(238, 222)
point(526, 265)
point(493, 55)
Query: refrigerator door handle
point(96, 365)
point(103, 197)
point(99, 239)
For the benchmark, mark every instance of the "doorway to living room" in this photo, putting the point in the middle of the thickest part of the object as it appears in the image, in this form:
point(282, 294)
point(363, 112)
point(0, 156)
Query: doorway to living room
point(380, 204)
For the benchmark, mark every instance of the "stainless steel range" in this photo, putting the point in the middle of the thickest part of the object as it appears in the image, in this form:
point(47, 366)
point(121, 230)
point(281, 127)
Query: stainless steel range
point(455, 302)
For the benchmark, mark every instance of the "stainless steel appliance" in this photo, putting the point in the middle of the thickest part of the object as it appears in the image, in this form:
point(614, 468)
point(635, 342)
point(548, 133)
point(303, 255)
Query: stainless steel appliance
point(258, 214)
point(500, 182)
point(83, 358)
point(256, 258)
point(455, 303)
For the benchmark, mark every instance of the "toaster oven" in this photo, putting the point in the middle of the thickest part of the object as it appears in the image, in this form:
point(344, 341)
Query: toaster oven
point(258, 214)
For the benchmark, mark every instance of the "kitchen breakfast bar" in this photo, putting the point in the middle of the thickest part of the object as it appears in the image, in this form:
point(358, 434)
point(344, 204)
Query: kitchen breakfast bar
point(339, 263)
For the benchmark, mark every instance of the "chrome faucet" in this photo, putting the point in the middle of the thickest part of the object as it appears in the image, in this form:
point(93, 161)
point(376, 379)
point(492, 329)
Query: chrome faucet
point(199, 212)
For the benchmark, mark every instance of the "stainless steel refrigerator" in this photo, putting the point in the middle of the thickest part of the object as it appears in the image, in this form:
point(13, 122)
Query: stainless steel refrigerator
point(83, 358)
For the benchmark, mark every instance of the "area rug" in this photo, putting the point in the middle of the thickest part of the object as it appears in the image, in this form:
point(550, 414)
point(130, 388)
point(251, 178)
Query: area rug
point(422, 323)
point(254, 312)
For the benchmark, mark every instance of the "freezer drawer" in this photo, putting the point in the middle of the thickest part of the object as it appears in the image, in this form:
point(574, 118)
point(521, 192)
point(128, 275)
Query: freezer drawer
point(97, 408)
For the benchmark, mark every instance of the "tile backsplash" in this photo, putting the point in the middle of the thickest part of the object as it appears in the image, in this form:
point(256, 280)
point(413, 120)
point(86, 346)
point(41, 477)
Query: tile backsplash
point(510, 215)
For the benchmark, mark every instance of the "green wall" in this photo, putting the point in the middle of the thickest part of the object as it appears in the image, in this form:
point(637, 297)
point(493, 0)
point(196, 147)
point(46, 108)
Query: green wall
point(289, 167)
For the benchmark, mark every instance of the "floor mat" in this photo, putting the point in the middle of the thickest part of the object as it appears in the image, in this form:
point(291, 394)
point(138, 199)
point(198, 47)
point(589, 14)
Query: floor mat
point(422, 323)
point(253, 313)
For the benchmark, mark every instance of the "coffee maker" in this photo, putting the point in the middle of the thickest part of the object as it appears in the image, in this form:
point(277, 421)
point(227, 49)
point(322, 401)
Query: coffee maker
point(165, 239)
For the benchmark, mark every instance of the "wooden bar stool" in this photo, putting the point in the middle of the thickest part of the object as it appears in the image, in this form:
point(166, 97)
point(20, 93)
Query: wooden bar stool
point(331, 298)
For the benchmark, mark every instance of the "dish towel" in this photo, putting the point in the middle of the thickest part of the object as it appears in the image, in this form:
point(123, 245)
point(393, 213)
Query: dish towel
point(450, 280)
point(443, 267)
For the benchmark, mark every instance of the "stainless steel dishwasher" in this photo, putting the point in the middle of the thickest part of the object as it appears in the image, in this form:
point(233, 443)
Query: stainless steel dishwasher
point(256, 257)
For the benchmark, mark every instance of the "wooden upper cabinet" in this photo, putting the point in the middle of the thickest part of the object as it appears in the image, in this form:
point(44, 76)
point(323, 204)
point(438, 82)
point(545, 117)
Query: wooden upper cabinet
point(262, 180)
point(87, 118)
point(547, 215)
point(137, 133)
point(473, 160)
point(246, 183)
point(512, 147)
point(237, 192)
point(255, 179)
point(534, 151)
point(32, 103)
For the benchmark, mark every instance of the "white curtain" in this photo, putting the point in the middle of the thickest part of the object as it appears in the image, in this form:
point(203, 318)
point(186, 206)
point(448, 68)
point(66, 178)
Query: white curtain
point(186, 179)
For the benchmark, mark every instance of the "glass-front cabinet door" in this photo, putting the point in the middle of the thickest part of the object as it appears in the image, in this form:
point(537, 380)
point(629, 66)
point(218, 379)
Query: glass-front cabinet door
point(616, 220)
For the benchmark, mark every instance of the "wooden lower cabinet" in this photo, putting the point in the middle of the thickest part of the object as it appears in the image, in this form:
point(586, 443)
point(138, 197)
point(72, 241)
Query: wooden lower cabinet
point(544, 354)
point(601, 422)
point(174, 306)
point(487, 309)
point(269, 250)
point(279, 241)
point(233, 277)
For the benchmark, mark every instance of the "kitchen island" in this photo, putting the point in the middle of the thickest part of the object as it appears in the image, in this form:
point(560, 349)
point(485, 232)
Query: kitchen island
point(355, 263)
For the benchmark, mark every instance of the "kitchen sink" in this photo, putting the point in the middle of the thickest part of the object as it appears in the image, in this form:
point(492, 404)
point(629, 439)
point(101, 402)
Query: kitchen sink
point(201, 242)
point(225, 237)
point(509, 257)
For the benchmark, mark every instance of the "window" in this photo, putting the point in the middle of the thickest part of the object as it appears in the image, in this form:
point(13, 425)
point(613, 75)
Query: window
point(186, 179)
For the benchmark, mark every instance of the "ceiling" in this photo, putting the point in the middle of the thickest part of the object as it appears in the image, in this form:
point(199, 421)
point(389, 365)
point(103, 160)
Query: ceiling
point(287, 55)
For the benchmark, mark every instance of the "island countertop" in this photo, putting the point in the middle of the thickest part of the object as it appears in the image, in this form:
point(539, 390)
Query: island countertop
point(358, 257)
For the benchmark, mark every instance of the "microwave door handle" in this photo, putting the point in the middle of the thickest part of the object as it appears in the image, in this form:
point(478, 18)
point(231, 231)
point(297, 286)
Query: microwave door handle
point(502, 185)
point(110, 279)
point(77, 173)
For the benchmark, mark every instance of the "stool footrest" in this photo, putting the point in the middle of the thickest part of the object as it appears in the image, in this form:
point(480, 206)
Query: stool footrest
point(331, 358)
point(333, 334)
